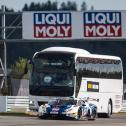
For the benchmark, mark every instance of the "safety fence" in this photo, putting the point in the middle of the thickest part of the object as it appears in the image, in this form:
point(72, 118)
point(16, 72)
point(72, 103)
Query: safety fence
point(14, 103)
point(21, 104)
point(18, 103)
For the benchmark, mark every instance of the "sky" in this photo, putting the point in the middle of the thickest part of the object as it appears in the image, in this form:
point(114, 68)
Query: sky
point(98, 4)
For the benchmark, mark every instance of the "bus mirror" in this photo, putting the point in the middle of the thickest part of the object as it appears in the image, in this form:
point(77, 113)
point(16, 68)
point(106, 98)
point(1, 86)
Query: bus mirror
point(26, 69)
point(27, 66)
point(30, 62)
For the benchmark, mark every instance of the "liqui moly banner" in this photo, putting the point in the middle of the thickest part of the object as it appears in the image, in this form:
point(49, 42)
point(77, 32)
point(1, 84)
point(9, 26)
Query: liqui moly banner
point(74, 25)
point(102, 24)
point(52, 25)
point(47, 25)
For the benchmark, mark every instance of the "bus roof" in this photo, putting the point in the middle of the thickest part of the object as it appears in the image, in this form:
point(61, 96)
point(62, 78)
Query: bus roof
point(101, 56)
point(66, 49)
point(78, 52)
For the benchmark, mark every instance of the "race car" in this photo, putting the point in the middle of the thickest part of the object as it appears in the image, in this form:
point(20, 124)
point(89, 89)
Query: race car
point(68, 108)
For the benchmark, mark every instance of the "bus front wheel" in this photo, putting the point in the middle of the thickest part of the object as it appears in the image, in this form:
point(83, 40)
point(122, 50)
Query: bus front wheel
point(109, 112)
point(108, 115)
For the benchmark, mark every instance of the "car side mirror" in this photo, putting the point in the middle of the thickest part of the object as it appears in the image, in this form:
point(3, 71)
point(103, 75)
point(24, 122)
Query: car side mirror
point(83, 105)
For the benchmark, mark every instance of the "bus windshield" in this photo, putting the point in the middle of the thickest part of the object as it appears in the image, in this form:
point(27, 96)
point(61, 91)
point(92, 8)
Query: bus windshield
point(52, 74)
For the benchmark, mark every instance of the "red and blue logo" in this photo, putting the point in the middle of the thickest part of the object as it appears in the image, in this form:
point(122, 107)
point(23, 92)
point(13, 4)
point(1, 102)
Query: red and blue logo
point(102, 24)
point(52, 25)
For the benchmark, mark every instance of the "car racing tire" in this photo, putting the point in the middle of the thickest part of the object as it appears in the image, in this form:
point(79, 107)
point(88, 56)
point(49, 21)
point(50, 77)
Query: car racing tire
point(93, 116)
point(79, 114)
point(42, 117)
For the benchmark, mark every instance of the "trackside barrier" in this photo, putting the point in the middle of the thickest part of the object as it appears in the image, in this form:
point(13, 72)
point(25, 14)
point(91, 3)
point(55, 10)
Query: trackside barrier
point(123, 106)
point(17, 103)
point(21, 104)
point(3, 101)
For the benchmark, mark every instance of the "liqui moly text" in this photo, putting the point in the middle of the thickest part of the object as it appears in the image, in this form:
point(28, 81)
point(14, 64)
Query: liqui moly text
point(102, 24)
point(52, 25)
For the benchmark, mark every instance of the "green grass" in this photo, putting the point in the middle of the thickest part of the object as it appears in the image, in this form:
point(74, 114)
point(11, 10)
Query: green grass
point(14, 114)
point(123, 113)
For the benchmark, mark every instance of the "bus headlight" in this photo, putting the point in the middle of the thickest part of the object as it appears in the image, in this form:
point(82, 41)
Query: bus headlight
point(32, 106)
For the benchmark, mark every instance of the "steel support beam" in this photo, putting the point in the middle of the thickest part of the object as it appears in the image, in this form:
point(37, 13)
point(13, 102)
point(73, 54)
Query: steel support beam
point(4, 62)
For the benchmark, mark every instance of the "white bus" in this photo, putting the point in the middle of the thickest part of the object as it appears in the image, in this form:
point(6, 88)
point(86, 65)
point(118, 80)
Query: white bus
point(73, 72)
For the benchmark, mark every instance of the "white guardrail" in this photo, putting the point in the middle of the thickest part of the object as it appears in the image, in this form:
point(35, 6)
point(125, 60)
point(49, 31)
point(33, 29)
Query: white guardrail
point(17, 103)
point(21, 104)
point(14, 103)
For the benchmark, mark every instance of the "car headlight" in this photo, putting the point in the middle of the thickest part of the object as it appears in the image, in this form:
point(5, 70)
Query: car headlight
point(47, 105)
point(42, 109)
point(68, 110)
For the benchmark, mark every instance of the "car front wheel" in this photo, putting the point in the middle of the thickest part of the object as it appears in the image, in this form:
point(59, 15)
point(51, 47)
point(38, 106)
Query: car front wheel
point(79, 114)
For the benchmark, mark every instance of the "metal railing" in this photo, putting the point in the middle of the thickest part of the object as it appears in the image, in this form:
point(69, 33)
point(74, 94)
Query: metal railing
point(14, 103)
point(17, 103)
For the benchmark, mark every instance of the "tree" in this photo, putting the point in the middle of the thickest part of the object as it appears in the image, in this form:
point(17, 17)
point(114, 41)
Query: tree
point(19, 68)
point(8, 9)
point(63, 6)
point(69, 6)
point(48, 5)
point(25, 8)
point(38, 7)
point(92, 8)
point(32, 7)
point(54, 6)
point(83, 6)
point(44, 6)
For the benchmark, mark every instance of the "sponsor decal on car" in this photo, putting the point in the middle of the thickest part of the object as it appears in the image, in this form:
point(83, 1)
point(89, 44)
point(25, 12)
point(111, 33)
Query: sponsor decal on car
point(55, 110)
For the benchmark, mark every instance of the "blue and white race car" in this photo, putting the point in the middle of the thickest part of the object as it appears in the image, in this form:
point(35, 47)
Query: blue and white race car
point(68, 108)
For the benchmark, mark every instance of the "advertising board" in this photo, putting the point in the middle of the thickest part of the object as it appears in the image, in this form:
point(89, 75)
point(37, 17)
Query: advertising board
point(74, 25)
point(102, 24)
point(54, 25)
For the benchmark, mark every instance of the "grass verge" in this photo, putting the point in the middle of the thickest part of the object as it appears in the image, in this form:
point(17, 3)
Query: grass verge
point(17, 114)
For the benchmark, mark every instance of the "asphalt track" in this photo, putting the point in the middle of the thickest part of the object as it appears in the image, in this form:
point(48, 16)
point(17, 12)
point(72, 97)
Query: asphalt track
point(115, 120)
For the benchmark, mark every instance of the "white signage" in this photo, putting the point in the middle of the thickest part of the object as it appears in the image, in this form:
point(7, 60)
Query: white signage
point(74, 25)
point(102, 24)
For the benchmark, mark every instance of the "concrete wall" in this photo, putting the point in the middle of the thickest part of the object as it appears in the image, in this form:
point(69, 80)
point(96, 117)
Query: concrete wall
point(3, 102)
point(19, 87)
